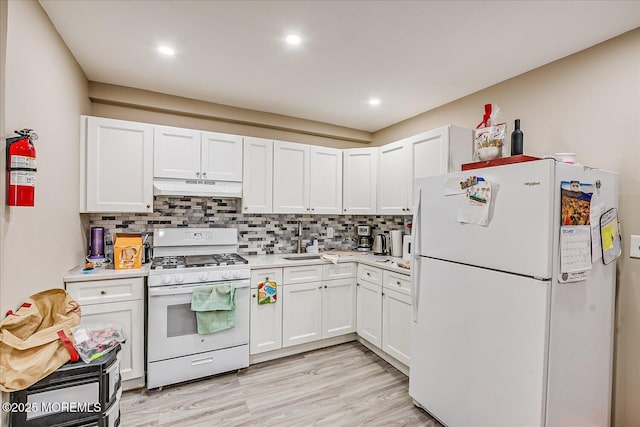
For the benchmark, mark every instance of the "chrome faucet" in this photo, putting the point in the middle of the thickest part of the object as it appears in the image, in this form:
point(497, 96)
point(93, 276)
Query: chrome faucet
point(299, 237)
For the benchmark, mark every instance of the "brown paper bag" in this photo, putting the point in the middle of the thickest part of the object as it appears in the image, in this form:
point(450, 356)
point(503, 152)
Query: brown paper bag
point(32, 340)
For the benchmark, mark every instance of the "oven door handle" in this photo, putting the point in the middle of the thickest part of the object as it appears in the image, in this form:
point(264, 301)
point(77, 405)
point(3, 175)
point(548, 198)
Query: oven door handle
point(160, 291)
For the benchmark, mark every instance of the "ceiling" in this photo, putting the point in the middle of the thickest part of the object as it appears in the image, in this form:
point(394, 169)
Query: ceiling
point(412, 55)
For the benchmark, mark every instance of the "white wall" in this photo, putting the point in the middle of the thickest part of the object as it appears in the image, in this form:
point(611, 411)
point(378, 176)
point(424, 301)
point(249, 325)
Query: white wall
point(44, 90)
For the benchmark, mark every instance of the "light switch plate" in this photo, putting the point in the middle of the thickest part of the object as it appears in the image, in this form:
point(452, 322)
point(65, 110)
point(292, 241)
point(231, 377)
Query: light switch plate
point(634, 247)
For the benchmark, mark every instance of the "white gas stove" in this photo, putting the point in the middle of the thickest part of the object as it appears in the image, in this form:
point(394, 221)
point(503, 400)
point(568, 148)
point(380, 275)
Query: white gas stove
point(186, 259)
point(193, 255)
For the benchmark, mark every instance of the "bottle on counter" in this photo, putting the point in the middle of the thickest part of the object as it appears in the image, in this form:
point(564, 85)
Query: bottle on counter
point(517, 140)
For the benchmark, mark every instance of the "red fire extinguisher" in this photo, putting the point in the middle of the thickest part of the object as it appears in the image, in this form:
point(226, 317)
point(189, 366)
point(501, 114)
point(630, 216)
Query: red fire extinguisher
point(21, 168)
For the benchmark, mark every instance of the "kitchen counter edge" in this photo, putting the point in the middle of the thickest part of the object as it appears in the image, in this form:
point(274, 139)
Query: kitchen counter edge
point(77, 275)
point(276, 260)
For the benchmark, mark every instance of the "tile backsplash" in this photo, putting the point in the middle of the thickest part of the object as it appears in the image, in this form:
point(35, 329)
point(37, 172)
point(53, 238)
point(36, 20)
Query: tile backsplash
point(257, 233)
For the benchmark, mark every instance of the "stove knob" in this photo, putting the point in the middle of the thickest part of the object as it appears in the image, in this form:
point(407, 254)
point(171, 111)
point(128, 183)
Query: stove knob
point(227, 275)
point(203, 277)
point(180, 278)
point(166, 279)
point(237, 274)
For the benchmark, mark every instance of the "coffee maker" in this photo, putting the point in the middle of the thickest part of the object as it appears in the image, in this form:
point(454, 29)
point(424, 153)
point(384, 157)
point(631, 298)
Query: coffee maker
point(364, 238)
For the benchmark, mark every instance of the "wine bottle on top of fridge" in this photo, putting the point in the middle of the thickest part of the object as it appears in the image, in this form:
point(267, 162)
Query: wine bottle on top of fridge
point(517, 140)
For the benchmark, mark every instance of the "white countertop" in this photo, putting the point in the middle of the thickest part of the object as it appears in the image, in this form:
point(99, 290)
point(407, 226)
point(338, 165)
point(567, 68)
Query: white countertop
point(277, 260)
point(77, 275)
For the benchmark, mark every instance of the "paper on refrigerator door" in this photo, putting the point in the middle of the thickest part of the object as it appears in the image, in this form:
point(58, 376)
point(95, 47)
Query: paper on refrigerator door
point(575, 248)
point(476, 205)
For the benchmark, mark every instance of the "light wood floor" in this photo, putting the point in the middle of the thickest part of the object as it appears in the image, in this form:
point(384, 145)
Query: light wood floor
point(344, 385)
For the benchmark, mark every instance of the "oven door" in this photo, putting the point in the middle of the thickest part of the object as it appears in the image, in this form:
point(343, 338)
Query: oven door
point(172, 329)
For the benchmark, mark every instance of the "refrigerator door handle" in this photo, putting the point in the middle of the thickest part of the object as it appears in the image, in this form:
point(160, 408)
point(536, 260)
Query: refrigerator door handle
point(415, 256)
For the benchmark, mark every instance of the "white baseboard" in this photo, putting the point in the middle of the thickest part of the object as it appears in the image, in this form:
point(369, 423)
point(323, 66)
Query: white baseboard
point(386, 357)
point(302, 348)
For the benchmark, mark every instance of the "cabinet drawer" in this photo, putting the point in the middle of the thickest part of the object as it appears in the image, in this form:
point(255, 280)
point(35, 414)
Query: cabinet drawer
point(339, 271)
point(273, 274)
point(370, 274)
point(302, 274)
point(396, 281)
point(103, 291)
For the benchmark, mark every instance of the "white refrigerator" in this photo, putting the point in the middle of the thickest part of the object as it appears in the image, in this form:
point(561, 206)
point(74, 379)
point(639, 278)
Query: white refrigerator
point(497, 339)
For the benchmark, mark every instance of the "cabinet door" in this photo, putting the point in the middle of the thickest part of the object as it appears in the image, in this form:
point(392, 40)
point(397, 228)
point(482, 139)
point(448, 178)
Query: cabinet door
point(302, 313)
point(429, 154)
point(266, 323)
point(118, 166)
point(290, 177)
point(176, 153)
point(257, 176)
point(359, 180)
point(129, 315)
point(369, 312)
point(338, 307)
point(266, 319)
point(393, 179)
point(325, 180)
point(221, 157)
point(396, 325)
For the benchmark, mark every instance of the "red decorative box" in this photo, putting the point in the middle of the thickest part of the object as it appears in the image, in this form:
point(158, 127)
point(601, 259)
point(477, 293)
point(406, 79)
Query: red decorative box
point(499, 162)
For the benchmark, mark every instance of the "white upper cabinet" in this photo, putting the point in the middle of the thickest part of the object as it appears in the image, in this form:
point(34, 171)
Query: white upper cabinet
point(325, 180)
point(176, 153)
point(290, 177)
point(192, 154)
point(359, 180)
point(257, 176)
point(306, 179)
point(116, 166)
point(438, 151)
point(221, 157)
point(430, 153)
point(393, 178)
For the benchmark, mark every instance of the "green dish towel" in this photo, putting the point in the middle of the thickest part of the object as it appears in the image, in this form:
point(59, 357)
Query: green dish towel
point(215, 308)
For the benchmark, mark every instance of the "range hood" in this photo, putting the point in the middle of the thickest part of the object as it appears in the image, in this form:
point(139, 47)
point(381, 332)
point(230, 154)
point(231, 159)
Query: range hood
point(199, 188)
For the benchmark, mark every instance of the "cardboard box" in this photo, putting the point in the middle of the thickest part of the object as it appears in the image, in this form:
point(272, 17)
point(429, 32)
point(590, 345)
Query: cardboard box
point(127, 250)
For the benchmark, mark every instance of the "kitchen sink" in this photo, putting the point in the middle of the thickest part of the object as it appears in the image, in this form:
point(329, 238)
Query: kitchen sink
point(292, 257)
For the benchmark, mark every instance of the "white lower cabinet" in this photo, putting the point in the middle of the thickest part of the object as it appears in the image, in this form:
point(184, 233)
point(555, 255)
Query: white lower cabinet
point(338, 302)
point(129, 316)
point(369, 312)
point(317, 309)
point(121, 302)
point(266, 319)
point(302, 314)
point(384, 311)
point(396, 325)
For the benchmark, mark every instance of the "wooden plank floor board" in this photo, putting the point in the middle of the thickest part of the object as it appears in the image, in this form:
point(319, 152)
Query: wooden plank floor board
point(343, 385)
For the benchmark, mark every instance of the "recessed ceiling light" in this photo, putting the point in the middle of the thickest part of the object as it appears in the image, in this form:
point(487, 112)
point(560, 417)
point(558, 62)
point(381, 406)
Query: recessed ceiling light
point(166, 50)
point(374, 101)
point(293, 39)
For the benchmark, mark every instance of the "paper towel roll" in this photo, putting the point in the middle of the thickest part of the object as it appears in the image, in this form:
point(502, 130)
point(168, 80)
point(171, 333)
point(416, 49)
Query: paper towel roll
point(396, 243)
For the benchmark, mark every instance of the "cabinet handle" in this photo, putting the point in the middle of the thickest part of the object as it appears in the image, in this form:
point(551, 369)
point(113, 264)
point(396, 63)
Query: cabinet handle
point(254, 295)
point(344, 210)
point(204, 174)
point(398, 283)
point(148, 206)
point(312, 209)
point(246, 207)
point(320, 287)
point(325, 286)
point(368, 274)
point(197, 173)
point(103, 292)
